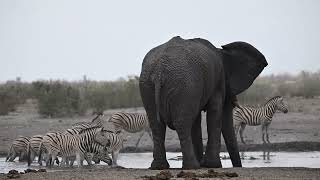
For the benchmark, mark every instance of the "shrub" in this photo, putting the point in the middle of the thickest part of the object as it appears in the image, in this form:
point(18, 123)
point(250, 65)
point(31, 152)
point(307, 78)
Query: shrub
point(57, 98)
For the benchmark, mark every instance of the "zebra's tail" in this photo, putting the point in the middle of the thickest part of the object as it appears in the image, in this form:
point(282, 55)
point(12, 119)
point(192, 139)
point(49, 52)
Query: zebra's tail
point(9, 152)
point(29, 154)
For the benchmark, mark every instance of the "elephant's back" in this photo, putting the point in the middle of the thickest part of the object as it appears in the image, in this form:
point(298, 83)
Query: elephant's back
point(179, 54)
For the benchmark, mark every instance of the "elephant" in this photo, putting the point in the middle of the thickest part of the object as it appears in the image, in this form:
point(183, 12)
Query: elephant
point(183, 77)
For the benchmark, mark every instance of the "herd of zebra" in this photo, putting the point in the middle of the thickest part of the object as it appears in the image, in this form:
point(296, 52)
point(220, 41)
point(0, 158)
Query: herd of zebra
point(91, 142)
point(83, 141)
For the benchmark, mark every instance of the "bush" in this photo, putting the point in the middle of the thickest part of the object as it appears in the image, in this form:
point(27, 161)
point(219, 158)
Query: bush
point(12, 93)
point(56, 99)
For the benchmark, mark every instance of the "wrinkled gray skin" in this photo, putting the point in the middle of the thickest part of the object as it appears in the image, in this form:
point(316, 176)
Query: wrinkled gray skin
point(181, 78)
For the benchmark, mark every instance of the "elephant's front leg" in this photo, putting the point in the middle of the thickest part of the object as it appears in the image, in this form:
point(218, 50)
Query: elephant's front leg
point(183, 128)
point(196, 134)
point(214, 124)
point(159, 151)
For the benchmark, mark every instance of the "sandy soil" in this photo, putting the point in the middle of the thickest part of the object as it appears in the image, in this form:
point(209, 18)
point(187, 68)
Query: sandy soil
point(119, 174)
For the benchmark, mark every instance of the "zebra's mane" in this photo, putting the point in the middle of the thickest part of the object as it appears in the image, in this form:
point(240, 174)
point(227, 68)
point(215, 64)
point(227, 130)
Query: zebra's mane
point(88, 129)
point(271, 99)
point(98, 115)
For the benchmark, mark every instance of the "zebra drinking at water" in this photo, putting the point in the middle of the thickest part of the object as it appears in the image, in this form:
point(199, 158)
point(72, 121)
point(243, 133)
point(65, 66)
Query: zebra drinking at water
point(132, 123)
point(18, 148)
point(243, 116)
point(91, 140)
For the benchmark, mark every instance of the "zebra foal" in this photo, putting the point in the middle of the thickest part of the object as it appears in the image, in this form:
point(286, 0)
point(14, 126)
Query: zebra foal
point(262, 115)
point(132, 123)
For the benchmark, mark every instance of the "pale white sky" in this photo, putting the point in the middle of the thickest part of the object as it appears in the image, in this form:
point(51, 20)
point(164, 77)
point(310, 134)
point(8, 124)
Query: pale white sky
point(65, 39)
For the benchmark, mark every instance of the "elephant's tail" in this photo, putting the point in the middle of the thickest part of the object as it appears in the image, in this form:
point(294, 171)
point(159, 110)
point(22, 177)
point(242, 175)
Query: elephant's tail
point(157, 86)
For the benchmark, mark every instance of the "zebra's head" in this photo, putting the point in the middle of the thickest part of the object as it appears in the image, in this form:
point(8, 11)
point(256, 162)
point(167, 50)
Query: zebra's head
point(280, 105)
point(102, 138)
point(103, 156)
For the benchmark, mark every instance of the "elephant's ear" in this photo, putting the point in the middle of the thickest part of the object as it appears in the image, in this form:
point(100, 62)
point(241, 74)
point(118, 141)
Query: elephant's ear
point(242, 63)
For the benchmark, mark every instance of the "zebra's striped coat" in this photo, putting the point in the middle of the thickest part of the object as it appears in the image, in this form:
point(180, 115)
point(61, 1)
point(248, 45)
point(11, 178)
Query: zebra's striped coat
point(132, 123)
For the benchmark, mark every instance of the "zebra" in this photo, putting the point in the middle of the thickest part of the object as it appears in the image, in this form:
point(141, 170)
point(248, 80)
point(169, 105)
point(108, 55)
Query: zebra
point(132, 123)
point(34, 149)
point(77, 127)
point(97, 121)
point(116, 144)
point(262, 115)
point(91, 140)
point(18, 148)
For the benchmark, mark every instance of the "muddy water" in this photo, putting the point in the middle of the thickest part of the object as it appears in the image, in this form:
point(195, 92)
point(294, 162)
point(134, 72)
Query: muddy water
point(250, 159)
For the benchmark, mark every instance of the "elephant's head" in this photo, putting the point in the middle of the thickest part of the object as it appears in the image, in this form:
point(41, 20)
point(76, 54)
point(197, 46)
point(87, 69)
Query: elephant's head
point(242, 63)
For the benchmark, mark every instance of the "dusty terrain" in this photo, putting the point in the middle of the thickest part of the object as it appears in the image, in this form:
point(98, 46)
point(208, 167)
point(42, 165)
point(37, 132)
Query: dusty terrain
point(227, 173)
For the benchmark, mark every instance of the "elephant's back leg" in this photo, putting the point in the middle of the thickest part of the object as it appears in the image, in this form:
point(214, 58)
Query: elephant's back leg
point(196, 133)
point(214, 127)
point(158, 129)
point(185, 113)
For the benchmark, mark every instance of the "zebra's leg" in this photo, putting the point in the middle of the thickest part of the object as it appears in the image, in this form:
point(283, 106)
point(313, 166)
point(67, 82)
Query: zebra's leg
point(96, 159)
point(115, 158)
point(236, 129)
point(48, 159)
point(40, 160)
point(263, 127)
point(71, 160)
point(78, 157)
point(141, 134)
point(267, 132)
point(53, 158)
point(63, 161)
point(88, 158)
point(242, 127)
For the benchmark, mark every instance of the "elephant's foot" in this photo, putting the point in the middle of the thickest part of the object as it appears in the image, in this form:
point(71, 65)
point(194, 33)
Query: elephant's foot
point(190, 164)
point(211, 163)
point(159, 164)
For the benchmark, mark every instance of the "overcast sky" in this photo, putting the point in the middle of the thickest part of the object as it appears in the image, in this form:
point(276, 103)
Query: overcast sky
point(105, 40)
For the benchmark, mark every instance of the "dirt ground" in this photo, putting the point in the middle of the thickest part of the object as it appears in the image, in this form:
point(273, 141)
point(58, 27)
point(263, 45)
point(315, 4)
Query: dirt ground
point(227, 173)
point(301, 124)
